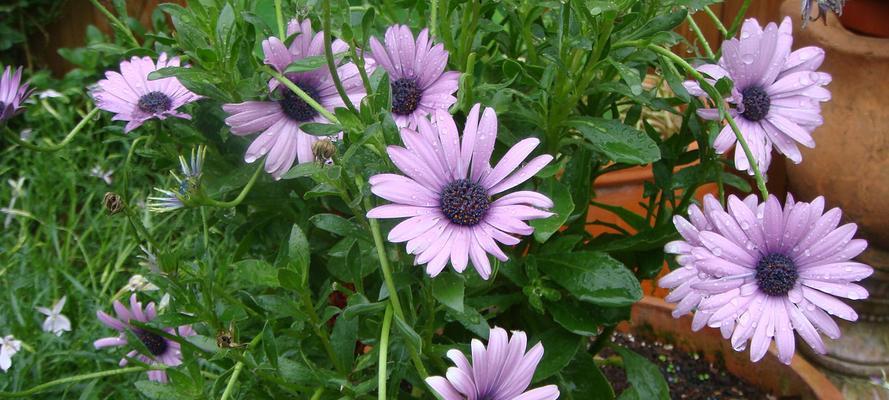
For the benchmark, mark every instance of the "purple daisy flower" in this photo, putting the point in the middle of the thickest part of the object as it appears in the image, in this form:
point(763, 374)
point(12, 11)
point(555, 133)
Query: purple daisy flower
point(163, 350)
point(12, 93)
point(135, 99)
point(419, 82)
point(502, 371)
point(447, 193)
point(279, 119)
point(777, 93)
point(769, 271)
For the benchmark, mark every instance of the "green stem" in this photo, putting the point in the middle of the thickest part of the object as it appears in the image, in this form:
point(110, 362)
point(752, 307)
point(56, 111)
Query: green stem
point(114, 21)
point(700, 35)
point(717, 21)
point(331, 64)
point(230, 386)
point(237, 200)
point(71, 379)
point(142, 234)
point(433, 17)
point(359, 62)
point(54, 147)
point(279, 16)
point(720, 103)
point(299, 92)
point(384, 352)
point(321, 333)
point(739, 17)
point(317, 394)
point(390, 285)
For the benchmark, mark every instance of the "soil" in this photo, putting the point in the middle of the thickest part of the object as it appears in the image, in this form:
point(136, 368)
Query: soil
point(689, 376)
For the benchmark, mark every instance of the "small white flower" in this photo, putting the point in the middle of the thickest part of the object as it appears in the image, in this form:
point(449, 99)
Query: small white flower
point(138, 283)
point(98, 172)
point(26, 134)
point(8, 347)
point(48, 94)
point(55, 322)
point(148, 259)
point(18, 189)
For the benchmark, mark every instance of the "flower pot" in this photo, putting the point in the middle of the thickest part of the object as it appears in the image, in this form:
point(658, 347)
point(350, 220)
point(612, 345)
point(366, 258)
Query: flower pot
point(850, 168)
point(867, 17)
point(651, 319)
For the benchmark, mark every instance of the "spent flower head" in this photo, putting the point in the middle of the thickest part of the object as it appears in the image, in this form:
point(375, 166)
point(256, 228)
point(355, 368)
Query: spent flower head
point(13, 93)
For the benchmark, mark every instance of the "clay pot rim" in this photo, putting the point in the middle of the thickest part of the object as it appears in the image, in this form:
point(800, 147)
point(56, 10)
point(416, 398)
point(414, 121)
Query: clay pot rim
point(820, 386)
point(837, 38)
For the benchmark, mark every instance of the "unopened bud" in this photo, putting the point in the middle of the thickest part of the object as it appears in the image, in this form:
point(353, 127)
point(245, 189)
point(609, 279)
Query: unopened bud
point(113, 203)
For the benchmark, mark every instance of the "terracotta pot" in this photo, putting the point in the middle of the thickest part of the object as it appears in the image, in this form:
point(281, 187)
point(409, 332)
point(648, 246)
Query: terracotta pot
point(651, 319)
point(867, 17)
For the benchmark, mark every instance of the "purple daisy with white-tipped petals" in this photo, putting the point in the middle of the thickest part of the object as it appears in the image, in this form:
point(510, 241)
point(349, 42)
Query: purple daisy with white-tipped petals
point(12, 93)
point(417, 76)
point(777, 93)
point(135, 99)
point(448, 192)
point(279, 120)
point(502, 371)
point(769, 271)
point(163, 350)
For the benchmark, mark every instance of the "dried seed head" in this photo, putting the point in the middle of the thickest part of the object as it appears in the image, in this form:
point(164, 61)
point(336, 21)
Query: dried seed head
point(113, 203)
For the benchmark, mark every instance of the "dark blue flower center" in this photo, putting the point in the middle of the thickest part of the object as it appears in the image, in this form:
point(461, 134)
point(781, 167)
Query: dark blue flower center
point(405, 96)
point(155, 343)
point(184, 186)
point(155, 102)
point(295, 107)
point(776, 274)
point(464, 202)
point(756, 103)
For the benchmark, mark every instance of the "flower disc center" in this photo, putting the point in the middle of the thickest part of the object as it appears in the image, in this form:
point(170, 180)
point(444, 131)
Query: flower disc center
point(295, 107)
point(776, 274)
point(464, 202)
point(155, 102)
point(405, 96)
point(756, 103)
point(155, 343)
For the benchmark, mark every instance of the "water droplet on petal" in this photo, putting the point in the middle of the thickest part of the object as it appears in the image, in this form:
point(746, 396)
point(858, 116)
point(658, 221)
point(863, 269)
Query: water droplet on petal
point(853, 296)
point(747, 58)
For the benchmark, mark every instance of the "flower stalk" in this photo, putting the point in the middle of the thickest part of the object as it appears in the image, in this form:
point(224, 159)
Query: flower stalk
point(53, 147)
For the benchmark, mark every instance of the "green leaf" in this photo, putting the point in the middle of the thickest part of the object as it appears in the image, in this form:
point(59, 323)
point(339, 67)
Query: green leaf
point(319, 129)
point(564, 205)
point(256, 273)
point(448, 289)
point(411, 337)
point(345, 333)
point(289, 279)
point(645, 378)
point(632, 219)
point(619, 142)
point(269, 345)
point(310, 63)
point(224, 24)
point(575, 319)
point(338, 225)
point(302, 170)
point(559, 348)
point(298, 253)
point(472, 320)
point(158, 391)
point(584, 380)
point(593, 277)
point(629, 75)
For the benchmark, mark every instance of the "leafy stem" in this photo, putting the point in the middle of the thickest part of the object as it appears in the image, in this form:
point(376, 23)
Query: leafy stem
point(237, 200)
point(77, 378)
point(384, 350)
point(700, 35)
point(331, 64)
point(279, 17)
point(116, 22)
point(717, 21)
point(230, 386)
point(57, 146)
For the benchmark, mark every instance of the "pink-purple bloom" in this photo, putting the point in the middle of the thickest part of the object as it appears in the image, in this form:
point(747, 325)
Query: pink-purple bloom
point(417, 76)
point(12, 93)
point(135, 99)
point(161, 350)
point(447, 193)
point(776, 94)
point(502, 371)
point(763, 271)
point(279, 119)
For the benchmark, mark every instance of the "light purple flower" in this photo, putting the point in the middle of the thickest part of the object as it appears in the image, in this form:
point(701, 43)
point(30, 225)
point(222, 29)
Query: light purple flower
point(502, 371)
point(417, 77)
point(777, 93)
point(768, 271)
point(12, 93)
point(447, 193)
point(163, 351)
point(280, 119)
point(135, 99)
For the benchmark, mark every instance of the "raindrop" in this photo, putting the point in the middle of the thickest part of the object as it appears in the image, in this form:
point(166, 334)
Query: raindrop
point(717, 251)
point(853, 296)
point(744, 225)
point(747, 58)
